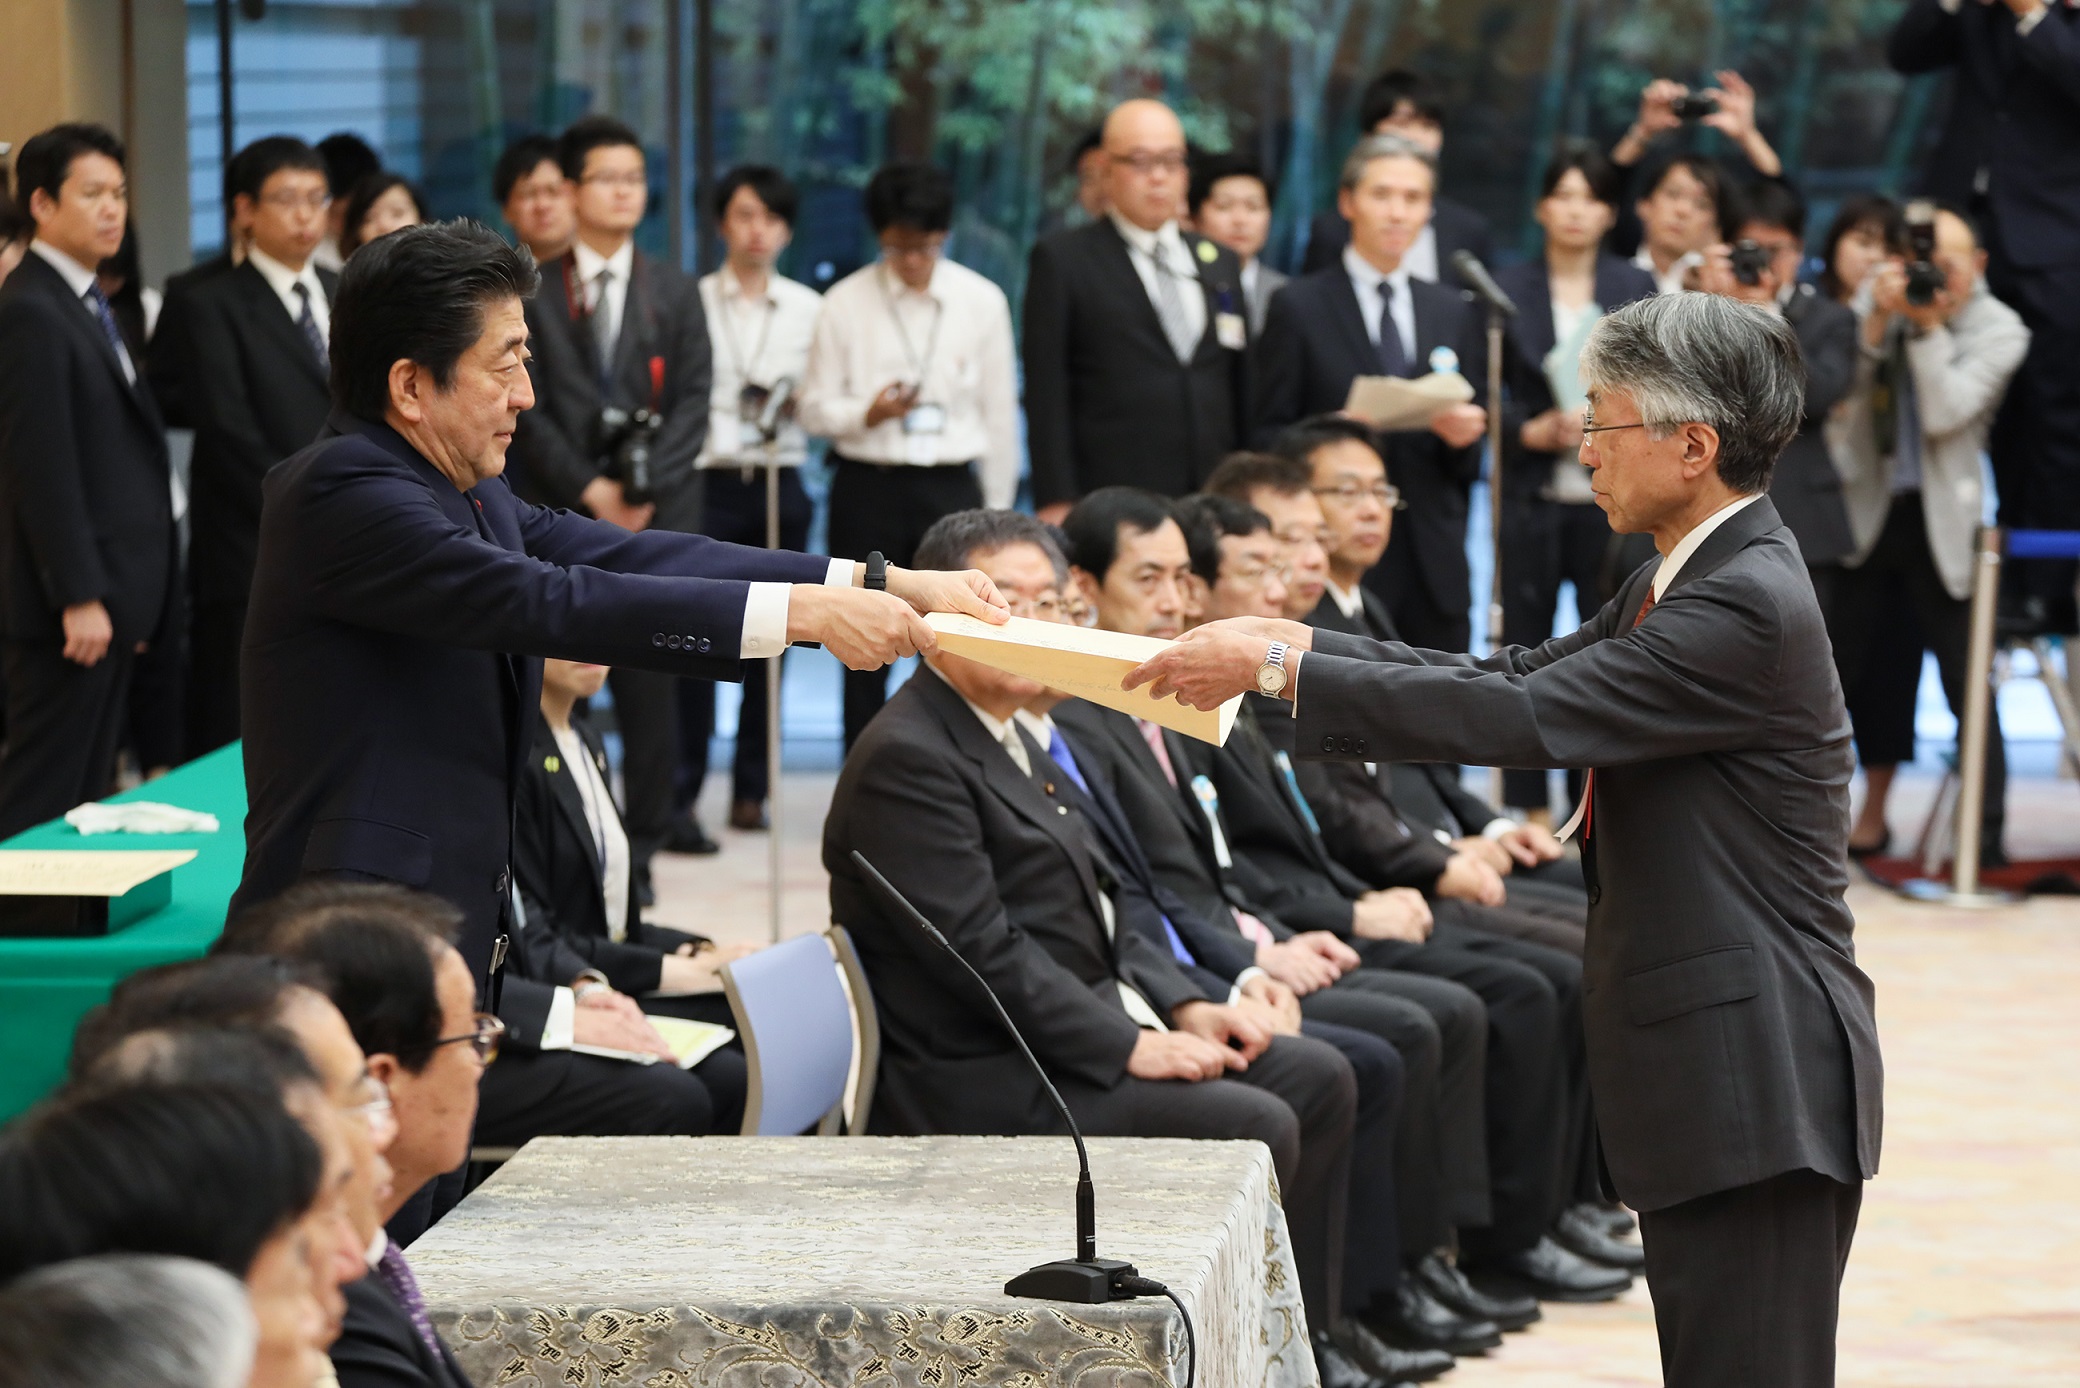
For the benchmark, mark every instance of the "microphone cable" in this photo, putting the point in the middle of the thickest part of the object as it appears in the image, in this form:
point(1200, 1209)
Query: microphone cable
point(1148, 1286)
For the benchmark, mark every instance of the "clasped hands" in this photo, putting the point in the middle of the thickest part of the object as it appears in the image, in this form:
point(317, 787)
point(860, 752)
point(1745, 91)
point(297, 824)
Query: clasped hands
point(867, 629)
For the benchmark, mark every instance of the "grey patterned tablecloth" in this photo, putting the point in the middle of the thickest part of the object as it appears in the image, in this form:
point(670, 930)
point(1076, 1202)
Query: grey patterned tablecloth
point(829, 1262)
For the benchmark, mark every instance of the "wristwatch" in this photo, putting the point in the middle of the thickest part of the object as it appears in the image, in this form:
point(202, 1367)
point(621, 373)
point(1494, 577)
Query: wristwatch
point(877, 572)
point(1271, 675)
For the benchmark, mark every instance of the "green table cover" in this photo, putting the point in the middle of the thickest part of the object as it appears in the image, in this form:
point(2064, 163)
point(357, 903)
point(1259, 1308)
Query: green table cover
point(46, 985)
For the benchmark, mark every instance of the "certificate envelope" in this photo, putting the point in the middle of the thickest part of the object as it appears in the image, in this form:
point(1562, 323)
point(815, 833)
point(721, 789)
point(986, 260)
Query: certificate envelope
point(1081, 661)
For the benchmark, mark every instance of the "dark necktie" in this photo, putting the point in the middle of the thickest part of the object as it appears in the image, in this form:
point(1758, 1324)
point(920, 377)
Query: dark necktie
point(604, 329)
point(397, 1276)
point(106, 317)
point(1589, 785)
point(307, 324)
point(1393, 361)
point(1058, 748)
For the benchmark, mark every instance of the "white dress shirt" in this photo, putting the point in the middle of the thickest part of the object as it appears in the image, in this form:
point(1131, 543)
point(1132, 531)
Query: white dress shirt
point(1687, 546)
point(758, 339)
point(605, 302)
point(79, 279)
point(1184, 268)
point(609, 838)
point(283, 281)
point(955, 337)
point(1366, 279)
point(1671, 281)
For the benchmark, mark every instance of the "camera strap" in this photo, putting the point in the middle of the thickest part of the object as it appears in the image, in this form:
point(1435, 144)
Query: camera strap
point(746, 369)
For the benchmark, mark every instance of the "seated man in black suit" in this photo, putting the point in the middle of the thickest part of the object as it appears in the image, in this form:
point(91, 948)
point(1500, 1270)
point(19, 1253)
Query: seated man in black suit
point(1368, 316)
point(969, 817)
point(1403, 103)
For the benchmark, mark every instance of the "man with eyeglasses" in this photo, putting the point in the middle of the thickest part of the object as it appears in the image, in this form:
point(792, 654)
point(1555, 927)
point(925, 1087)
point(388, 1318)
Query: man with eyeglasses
point(535, 197)
point(251, 353)
point(1135, 332)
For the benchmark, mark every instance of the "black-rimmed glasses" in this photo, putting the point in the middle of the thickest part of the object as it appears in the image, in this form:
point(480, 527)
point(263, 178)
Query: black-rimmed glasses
point(484, 1040)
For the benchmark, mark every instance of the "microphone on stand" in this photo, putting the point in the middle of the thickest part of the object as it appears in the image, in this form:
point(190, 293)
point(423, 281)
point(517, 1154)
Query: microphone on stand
point(1475, 276)
point(1087, 1277)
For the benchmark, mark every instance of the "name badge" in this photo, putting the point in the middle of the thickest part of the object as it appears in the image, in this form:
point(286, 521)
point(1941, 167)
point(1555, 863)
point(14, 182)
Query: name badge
point(1444, 361)
point(1210, 802)
point(1229, 330)
point(925, 419)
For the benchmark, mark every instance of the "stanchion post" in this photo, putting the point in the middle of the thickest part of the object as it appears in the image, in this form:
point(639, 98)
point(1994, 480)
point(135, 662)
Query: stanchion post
point(775, 669)
point(1495, 331)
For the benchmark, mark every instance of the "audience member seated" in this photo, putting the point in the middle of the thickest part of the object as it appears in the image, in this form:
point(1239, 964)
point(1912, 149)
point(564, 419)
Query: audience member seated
point(381, 203)
point(126, 1320)
point(220, 1173)
point(1018, 881)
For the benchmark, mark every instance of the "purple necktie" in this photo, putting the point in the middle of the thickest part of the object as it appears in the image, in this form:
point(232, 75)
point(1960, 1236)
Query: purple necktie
point(397, 1276)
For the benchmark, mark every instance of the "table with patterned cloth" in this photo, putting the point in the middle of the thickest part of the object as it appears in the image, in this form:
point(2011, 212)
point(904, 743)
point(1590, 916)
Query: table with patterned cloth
point(828, 1262)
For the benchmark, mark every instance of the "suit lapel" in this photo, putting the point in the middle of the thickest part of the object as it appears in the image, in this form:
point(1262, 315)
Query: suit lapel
point(1350, 319)
point(1116, 262)
point(631, 345)
point(1222, 293)
point(563, 788)
point(1534, 326)
point(271, 316)
point(1734, 534)
point(568, 315)
point(84, 326)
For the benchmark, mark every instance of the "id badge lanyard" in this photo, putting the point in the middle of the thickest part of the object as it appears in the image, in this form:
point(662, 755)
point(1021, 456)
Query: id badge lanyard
point(926, 420)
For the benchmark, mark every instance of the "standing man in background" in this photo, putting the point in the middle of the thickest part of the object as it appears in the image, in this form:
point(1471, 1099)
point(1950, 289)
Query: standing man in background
point(1135, 332)
point(535, 197)
point(759, 324)
point(250, 352)
point(621, 371)
point(87, 556)
point(1230, 204)
point(912, 377)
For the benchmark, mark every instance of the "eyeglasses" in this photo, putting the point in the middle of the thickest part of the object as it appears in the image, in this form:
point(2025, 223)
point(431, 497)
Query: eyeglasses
point(1172, 161)
point(490, 1031)
point(289, 202)
point(1590, 426)
point(376, 1105)
point(1350, 494)
point(1254, 575)
point(618, 180)
point(1046, 608)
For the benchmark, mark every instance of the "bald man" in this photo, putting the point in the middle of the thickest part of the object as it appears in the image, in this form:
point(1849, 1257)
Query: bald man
point(1134, 332)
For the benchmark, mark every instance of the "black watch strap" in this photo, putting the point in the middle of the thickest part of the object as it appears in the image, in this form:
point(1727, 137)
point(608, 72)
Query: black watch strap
point(877, 572)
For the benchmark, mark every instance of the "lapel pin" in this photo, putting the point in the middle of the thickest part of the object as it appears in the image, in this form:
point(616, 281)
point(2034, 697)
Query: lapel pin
point(1443, 359)
point(552, 765)
point(1207, 254)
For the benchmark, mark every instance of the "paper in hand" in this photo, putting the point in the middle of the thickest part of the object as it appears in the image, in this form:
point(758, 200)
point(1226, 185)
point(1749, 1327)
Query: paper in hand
point(1086, 663)
point(1389, 402)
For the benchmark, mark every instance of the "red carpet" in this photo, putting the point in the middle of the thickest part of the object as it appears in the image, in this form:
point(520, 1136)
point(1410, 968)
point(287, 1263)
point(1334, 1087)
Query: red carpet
point(2038, 877)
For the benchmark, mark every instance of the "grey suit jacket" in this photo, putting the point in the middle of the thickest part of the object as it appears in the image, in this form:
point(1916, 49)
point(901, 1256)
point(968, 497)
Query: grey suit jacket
point(1731, 1036)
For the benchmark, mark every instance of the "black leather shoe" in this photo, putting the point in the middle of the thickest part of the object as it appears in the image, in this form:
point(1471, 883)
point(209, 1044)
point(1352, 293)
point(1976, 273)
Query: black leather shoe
point(1382, 1360)
point(1444, 1281)
point(1552, 1273)
point(1618, 1221)
point(1339, 1370)
point(687, 836)
point(748, 814)
point(1581, 1229)
point(1416, 1320)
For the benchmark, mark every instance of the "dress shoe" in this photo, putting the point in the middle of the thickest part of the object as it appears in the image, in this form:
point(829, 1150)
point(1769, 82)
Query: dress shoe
point(748, 814)
point(1618, 1221)
point(687, 836)
point(1581, 1229)
point(1382, 1360)
point(1443, 1280)
point(1552, 1273)
point(1416, 1320)
point(1339, 1370)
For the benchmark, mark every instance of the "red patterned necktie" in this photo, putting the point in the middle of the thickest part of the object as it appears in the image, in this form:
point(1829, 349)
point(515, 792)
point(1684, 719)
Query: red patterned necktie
point(1589, 786)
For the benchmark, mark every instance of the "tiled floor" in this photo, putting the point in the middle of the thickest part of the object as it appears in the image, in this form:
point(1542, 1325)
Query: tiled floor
point(1967, 1265)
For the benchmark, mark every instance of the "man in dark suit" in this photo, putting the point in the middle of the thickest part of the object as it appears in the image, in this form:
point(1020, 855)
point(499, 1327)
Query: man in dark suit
point(1367, 315)
point(972, 820)
point(2010, 154)
point(614, 330)
point(1732, 1047)
point(1403, 103)
point(249, 348)
point(403, 595)
point(86, 507)
point(1135, 333)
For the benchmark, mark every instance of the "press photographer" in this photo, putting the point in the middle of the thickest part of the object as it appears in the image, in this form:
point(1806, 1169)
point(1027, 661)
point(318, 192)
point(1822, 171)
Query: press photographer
point(621, 375)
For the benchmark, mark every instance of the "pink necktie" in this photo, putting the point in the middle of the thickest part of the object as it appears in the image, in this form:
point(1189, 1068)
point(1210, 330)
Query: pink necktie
point(1152, 734)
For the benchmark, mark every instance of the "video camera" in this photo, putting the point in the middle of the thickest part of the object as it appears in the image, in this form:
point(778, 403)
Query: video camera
point(623, 439)
point(1925, 279)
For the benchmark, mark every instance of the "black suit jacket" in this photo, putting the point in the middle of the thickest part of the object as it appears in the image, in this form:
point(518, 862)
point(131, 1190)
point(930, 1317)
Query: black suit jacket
point(661, 321)
point(2014, 114)
point(1107, 401)
point(254, 393)
point(558, 870)
point(1012, 882)
point(378, 1348)
point(1315, 344)
point(1731, 1035)
point(1459, 228)
point(392, 671)
point(168, 376)
point(1805, 487)
point(86, 502)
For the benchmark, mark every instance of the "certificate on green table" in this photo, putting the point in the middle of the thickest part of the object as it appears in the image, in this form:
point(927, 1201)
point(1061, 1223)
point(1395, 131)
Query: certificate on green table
point(46, 985)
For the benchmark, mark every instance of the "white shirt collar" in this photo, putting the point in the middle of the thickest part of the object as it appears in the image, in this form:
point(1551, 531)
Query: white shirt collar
point(282, 279)
point(1349, 601)
point(895, 285)
point(1040, 725)
point(590, 262)
point(995, 726)
point(1365, 273)
point(1688, 545)
point(78, 276)
point(1176, 253)
point(378, 1246)
point(733, 288)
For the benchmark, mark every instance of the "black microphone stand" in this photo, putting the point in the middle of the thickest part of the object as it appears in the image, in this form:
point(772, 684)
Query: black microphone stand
point(1500, 310)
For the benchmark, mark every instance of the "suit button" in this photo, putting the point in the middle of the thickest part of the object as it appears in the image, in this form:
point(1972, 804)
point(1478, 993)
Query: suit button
point(1328, 744)
point(657, 639)
point(672, 641)
point(702, 645)
point(1361, 747)
point(1343, 744)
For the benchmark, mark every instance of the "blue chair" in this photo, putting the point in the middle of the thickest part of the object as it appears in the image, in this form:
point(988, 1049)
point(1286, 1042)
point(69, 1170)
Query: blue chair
point(810, 1033)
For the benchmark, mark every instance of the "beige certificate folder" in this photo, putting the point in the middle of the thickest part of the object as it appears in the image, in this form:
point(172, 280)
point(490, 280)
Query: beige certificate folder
point(1389, 402)
point(84, 872)
point(1077, 660)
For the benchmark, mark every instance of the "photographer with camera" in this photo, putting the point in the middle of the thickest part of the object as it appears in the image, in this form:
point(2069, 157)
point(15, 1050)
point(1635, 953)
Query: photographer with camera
point(1761, 268)
point(1938, 351)
point(1680, 200)
point(621, 368)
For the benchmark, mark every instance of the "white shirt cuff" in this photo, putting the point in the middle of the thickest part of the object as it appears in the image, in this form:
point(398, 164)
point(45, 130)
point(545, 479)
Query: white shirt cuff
point(765, 621)
point(562, 1027)
point(1498, 826)
point(1235, 993)
point(839, 574)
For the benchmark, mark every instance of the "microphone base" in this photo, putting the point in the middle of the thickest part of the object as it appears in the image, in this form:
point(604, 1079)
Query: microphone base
point(1069, 1280)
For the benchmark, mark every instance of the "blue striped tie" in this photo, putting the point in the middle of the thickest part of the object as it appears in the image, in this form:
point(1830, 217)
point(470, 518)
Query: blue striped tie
point(1058, 748)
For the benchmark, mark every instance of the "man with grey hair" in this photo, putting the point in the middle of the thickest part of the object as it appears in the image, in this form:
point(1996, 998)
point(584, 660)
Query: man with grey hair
point(1733, 1051)
point(126, 1320)
point(1367, 315)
